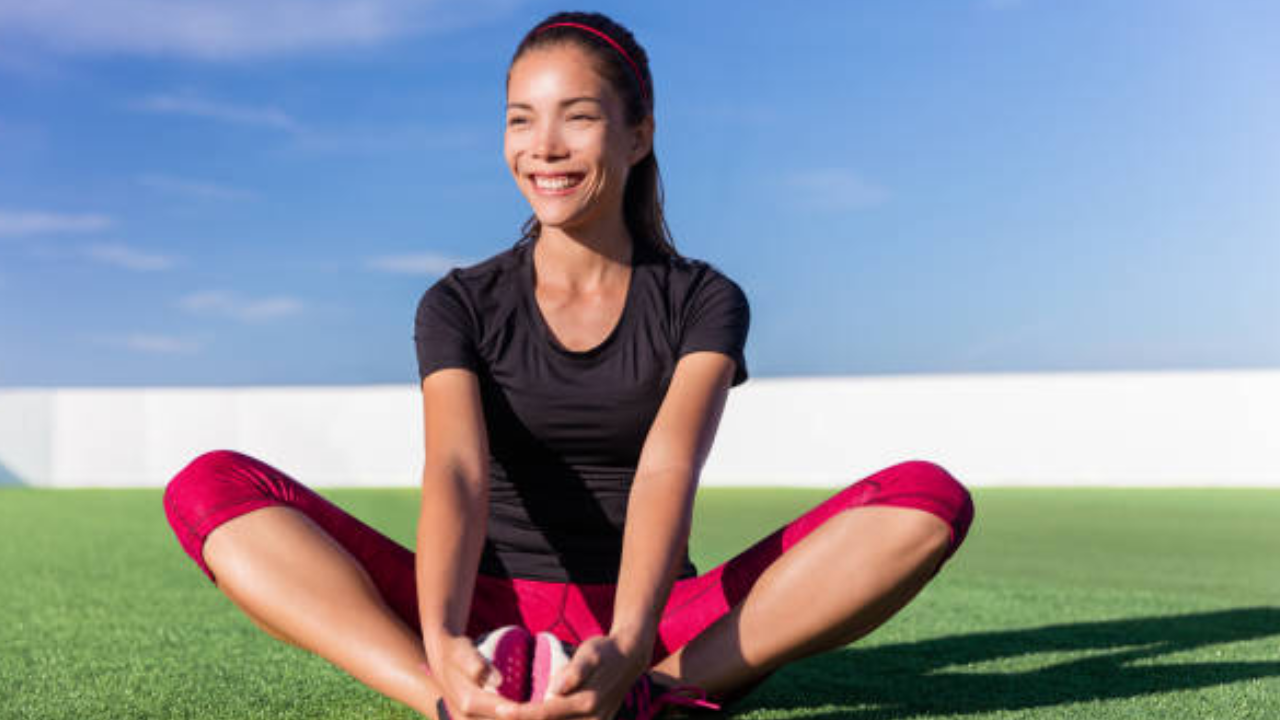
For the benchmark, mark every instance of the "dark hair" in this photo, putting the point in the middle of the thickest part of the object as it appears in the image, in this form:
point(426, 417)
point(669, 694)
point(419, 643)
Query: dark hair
point(642, 197)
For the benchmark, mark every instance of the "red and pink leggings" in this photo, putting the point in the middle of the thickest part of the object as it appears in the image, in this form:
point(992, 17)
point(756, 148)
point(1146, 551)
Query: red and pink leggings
point(222, 485)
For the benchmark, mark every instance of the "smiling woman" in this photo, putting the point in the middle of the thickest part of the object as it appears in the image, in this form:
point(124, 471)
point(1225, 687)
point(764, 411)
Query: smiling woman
point(572, 386)
point(615, 63)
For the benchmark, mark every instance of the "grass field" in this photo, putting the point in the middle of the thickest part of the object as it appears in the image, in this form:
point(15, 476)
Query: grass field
point(1080, 603)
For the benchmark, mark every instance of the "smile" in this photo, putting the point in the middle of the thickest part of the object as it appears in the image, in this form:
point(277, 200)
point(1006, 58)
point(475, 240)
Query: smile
point(557, 184)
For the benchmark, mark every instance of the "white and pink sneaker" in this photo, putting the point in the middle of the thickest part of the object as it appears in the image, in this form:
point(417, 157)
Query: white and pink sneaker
point(509, 650)
point(528, 664)
point(550, 656)
point(525, 663)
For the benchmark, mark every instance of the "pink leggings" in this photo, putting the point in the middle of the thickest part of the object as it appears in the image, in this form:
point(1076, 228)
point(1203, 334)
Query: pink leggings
point(222, 485)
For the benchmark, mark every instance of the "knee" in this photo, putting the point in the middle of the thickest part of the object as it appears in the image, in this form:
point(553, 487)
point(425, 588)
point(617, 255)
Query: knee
point(194, 484)
point(930, 475)
point(207, 465)
point(207, 485)
point(936, 490)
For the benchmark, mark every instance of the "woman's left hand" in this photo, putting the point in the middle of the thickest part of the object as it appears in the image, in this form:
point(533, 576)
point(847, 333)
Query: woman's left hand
point(591, 687)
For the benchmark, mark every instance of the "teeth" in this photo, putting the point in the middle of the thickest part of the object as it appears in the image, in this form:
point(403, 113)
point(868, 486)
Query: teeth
point(559, 182)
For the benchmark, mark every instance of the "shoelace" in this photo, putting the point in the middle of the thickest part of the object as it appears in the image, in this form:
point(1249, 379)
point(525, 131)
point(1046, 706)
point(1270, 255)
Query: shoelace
point(641, 700)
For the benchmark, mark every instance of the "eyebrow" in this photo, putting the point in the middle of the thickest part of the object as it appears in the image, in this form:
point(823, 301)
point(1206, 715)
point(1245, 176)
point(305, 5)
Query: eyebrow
point(563, 103)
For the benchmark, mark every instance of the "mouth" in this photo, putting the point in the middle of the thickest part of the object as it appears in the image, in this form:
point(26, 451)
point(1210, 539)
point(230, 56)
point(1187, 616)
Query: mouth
point(556, 183)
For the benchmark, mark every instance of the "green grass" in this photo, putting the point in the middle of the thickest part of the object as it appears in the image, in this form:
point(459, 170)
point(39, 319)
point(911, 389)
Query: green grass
point(1080, 603)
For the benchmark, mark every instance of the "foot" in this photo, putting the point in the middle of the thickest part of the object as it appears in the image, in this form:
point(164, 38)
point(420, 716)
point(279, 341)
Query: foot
point(648, 698)
point(526, 663)
point(550, 656)
point(509, 651)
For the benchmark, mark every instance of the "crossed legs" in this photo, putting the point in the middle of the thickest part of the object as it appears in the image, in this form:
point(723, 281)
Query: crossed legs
point(836, 585)
point(284, 568)
point(826, 579)
point(300, 586)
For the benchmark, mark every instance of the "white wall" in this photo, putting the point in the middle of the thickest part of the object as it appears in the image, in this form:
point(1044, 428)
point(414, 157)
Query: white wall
point(1164, 429)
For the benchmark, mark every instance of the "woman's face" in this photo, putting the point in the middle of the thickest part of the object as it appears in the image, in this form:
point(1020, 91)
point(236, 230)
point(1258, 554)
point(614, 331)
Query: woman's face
point(567, 141)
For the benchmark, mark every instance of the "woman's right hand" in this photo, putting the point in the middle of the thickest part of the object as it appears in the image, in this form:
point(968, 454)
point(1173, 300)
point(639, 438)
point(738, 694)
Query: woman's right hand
point(468, 680)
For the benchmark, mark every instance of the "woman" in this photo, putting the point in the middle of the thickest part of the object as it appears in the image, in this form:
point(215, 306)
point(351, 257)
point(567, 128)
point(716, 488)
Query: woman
point(571, 388)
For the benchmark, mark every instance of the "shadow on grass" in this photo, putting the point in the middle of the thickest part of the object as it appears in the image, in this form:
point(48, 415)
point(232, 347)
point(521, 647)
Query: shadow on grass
point(1111, 660)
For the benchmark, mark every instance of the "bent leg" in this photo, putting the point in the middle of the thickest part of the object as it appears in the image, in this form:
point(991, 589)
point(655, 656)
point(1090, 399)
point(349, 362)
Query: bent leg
point(304, 570)
point(826, 579)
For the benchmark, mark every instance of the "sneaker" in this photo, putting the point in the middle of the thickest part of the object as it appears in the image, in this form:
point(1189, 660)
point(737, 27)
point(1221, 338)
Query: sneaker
point(550, 656)
point(509, 650)
point(647, 698)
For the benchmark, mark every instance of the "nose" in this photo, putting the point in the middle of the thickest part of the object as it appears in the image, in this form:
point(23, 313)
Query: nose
point(548, 142)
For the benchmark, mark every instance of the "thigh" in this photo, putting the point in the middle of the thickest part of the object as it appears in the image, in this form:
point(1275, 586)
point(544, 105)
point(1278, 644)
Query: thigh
point(696, 603)
point(221, 485)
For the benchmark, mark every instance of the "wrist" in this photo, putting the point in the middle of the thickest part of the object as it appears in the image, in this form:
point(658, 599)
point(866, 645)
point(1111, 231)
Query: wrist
point(635, 641)
point(436, 643)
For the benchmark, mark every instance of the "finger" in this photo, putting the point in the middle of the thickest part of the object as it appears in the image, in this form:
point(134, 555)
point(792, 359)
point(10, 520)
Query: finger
point(475, 668)
point(568, 680)
point(474, 702)
point(577, 672)
point(553, 708)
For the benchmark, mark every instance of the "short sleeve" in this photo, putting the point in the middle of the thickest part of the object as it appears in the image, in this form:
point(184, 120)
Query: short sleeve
point(717, 317)
point(444, 330)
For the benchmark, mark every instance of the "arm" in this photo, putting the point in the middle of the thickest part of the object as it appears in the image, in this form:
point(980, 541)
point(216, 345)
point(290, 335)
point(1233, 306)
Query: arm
point(451, 531)
point(660, 510)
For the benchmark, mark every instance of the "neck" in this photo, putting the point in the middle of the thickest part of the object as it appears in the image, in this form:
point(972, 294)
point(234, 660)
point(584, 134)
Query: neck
point(583, 259)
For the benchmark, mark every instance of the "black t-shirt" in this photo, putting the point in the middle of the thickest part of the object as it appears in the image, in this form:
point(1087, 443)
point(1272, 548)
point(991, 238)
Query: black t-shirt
point(566, 428)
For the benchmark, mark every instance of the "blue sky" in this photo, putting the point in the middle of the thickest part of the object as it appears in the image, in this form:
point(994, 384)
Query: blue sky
point(257, 192)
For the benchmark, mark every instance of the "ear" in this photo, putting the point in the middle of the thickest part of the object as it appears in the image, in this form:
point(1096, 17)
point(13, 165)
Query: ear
point(642, 139)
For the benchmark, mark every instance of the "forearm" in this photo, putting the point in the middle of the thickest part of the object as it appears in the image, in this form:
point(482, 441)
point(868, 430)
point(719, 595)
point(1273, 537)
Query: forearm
point(659, 515)
point(451, 531)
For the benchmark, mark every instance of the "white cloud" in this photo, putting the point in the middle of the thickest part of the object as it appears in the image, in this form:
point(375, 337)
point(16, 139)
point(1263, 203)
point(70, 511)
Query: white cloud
point(198, 189)
point(386, 139)
point(188, 103)
point(33, 222)
point(123, 256)
point(426, 263)
point(223, 303)
point(26, 66)
point(303, 137)
point(233, 29)
point(836, 189)
point(160, 344)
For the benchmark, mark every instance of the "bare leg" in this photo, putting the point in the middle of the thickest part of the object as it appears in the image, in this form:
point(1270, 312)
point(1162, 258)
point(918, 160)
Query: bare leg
point(294, 581)
point(839, 583)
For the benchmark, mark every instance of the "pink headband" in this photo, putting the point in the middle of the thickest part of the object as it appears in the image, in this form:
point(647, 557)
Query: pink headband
point(634, 68)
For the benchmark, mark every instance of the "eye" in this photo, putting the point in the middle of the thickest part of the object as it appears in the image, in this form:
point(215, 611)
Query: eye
point(516, 120)
point(581, 116)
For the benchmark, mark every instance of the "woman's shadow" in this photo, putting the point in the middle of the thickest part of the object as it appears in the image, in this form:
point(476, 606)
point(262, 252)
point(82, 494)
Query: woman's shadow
point(1115, 659)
